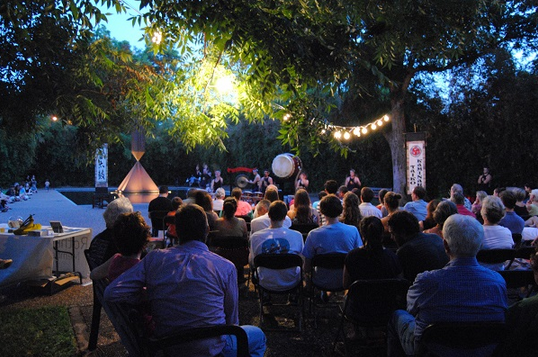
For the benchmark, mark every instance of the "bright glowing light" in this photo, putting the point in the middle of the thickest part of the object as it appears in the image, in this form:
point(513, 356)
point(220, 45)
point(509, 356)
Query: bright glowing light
point(287, 117)
point(337, 135)
point(54, 118)
point(347, 135)
point(225, 85)
point(357, 131)
point(374, 127)
point(364, 130)
point(379, 122)
point(386, 117)
point(323, 131)
point(157, 37)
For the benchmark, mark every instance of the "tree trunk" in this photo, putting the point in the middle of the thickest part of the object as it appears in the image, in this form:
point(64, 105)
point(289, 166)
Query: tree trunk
point(396, 140)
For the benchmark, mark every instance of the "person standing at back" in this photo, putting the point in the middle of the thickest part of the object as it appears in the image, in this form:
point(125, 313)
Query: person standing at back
point(160, 203)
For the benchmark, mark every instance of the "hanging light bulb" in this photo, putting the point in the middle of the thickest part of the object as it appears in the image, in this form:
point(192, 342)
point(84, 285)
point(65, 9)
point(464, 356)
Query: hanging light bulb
point(364, 130)
point(337, 134)
point(386, 117)
point(379, 122)
point(287, 117)
point(374, 127)
point(323, 131)
point(357, 131)
point(347, 135)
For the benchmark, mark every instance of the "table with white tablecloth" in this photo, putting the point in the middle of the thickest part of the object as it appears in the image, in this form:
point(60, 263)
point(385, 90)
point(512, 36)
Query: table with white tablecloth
point(43, 257)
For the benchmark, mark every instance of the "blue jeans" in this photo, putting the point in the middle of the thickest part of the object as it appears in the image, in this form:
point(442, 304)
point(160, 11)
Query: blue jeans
point(401, 334)
point(256, 342)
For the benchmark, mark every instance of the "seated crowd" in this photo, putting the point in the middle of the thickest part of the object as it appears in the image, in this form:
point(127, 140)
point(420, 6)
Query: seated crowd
point(432, 244)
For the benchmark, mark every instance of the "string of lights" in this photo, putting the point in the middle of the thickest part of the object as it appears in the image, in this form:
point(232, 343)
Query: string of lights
point(345, 132)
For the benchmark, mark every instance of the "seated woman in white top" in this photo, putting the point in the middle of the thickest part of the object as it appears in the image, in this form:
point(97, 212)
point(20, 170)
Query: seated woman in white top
point(495, 236)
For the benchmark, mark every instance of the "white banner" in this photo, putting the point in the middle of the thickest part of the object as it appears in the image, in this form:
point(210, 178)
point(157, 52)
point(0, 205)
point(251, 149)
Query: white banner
point(416, 165)
point(101, 166)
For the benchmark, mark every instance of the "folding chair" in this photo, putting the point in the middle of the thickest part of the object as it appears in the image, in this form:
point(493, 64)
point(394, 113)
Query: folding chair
point(304, 228)
point(280, 262)
point(157, 222)
point(495, 256)
point(516, 279)
point(517, 238)
point(235, 249)
point(333, 264)
point(370, 304)
point(461, 338)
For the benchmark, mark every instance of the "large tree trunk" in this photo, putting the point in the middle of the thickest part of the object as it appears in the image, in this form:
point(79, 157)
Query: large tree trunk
point(396, 140)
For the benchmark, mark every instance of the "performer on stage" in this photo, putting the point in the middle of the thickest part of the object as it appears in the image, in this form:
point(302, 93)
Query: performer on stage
point(217, 181)
point(257, 181)
point(352, 181)
point(302, 182)
point(265, 181)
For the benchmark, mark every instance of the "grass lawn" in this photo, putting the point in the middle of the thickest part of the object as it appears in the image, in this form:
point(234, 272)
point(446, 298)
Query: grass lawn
point(42, 332)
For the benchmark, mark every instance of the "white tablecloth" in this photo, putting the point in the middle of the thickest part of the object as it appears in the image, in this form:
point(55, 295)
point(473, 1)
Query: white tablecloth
point(33, 257)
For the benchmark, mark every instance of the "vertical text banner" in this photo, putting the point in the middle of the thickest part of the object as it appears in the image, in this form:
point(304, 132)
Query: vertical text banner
point(101, 166)
point(416, 164)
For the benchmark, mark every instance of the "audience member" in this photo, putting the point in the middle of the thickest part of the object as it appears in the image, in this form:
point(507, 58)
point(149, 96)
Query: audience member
point(276, 239)
point(229, 225)
point(302, 212)
point(342, 190)
point(333, 237)
point(130, 235)
point(477, 204)
point(271, 193)
point(456, 188)
point(219, 199)
point(532, 203)
point(191, 193)
point(160, 203)
point(321, 194)
point(521, 208)
point(351, 214)
point(392, 205)
point(171, 227)
point(417, 206)
point(459, 200)
point(263, 220)
point(495, 236)
point(204, 200)
point(243, 208)
point(371, 261)
point(366, 207)
point(113, 210)
point(381, 205)
point(429, 221)
point(461, 291)
point(261, 208)
point(331, 188)
point(511, 220)
point(417, 251)
point(443, 210)
point(188, 287)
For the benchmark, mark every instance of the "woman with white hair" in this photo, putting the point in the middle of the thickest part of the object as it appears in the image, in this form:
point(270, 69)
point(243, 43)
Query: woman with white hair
point(219, 199)
point(495, 236)
point(113, 210)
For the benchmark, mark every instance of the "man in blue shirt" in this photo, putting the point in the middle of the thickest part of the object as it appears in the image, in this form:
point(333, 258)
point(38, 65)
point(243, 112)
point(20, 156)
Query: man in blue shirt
point(417, 206)
point(511, 220)
point(188, 286)
point(461, 291)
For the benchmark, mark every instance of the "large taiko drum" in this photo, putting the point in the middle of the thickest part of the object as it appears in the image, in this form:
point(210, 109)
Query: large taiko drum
point(286, 165)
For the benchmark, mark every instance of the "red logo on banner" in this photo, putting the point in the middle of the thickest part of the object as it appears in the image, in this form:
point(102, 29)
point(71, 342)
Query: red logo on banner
point(415, 150)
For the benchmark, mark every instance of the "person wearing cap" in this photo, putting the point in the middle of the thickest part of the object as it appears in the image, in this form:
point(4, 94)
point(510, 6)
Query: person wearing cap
point(160, 203)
